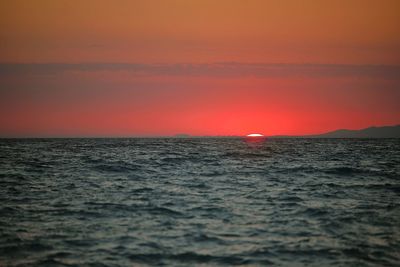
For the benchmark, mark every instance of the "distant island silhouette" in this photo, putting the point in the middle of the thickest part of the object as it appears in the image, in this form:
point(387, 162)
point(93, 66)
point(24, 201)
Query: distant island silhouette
point(370, 132)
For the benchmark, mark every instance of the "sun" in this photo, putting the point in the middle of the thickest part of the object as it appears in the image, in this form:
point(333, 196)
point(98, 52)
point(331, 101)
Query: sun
point(255, 135)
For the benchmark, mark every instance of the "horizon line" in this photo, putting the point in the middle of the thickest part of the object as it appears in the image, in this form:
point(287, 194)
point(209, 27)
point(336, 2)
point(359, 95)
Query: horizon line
point(182, 135)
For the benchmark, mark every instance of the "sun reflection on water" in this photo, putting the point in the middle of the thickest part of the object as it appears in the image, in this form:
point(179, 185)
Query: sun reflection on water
point(255, 140)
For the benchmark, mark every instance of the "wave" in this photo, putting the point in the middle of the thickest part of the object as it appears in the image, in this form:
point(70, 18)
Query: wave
point(188, 257)
point(123, 202)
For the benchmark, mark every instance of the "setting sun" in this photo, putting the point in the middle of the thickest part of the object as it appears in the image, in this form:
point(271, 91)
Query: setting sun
point(255, 135)
point(199, 132)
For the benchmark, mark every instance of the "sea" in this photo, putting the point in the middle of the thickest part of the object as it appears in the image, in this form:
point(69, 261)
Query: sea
point(199, 202)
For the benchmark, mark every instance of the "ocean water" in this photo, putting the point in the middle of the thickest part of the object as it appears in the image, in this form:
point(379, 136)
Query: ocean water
point(199, 202)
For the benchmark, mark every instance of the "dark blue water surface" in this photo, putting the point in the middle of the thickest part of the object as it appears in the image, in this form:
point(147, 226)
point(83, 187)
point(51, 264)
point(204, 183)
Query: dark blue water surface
point(202, 202)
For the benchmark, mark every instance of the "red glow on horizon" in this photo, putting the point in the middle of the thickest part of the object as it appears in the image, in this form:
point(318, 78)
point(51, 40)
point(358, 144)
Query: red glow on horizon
point(144, 68)
point(116, 104)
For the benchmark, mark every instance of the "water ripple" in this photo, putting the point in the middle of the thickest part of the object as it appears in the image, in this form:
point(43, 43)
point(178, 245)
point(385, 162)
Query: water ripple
point(199, 202)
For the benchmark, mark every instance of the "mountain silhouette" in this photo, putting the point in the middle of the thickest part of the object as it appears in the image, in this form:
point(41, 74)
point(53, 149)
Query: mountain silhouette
point(371, 132)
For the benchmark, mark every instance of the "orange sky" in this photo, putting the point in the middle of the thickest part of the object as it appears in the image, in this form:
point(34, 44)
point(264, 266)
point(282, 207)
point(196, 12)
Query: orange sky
point(291, 67)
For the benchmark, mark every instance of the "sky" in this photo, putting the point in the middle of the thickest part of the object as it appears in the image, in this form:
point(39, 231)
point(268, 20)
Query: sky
point(200, 67)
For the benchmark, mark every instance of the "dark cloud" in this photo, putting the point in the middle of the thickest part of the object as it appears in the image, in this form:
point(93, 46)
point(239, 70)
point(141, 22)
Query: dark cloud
point(224, 69)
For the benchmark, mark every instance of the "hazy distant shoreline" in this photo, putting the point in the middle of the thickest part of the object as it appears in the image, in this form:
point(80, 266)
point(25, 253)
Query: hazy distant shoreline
point(370, 132)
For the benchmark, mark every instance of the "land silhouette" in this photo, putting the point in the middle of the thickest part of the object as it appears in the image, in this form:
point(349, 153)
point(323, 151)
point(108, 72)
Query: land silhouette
point(370, 132)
